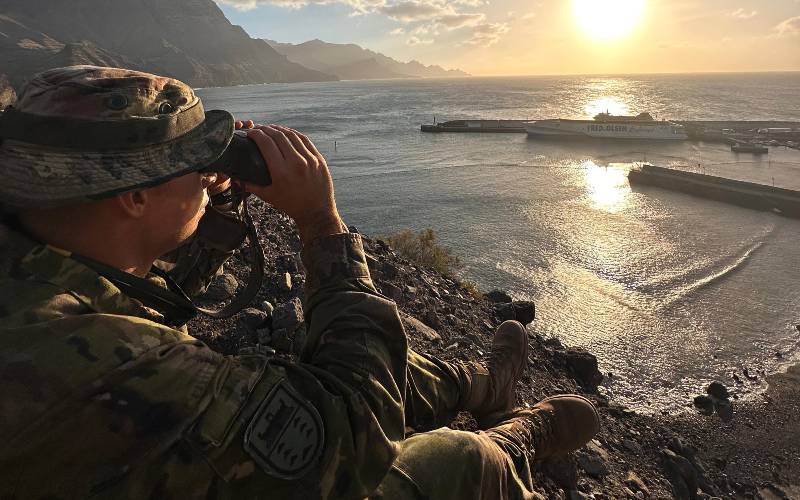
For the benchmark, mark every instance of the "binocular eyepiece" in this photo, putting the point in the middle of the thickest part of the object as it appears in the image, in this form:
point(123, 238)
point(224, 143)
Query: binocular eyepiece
point(242, 160)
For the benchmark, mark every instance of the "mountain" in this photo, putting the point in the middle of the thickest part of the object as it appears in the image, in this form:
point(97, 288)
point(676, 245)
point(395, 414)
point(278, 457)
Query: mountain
point(191, 40)
point(352, 62)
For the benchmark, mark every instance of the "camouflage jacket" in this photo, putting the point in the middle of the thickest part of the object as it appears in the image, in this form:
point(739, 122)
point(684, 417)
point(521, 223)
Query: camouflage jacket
point(100, 399)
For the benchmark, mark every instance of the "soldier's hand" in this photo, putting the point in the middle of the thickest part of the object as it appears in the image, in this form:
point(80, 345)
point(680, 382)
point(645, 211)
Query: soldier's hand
point(223, 182)
point(301, 182)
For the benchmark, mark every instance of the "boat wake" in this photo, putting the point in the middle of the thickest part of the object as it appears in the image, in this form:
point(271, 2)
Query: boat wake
point(685, 292)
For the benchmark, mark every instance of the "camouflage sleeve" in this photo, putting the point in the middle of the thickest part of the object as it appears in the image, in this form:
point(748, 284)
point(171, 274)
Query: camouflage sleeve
point(195, 263)
point(164, 416)
point(328, 426)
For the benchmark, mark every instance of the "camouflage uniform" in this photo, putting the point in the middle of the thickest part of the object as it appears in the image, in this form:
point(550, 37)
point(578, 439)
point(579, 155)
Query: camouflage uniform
point(101, 399)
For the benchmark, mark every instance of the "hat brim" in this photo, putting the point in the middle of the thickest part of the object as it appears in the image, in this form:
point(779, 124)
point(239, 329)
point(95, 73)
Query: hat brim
point(36, 176)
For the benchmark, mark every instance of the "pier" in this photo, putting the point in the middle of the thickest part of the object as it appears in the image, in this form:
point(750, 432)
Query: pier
point(745, 194)
point(733, 132)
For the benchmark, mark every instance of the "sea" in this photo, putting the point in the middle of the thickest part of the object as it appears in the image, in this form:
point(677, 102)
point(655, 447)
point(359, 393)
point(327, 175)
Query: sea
point(669, 291)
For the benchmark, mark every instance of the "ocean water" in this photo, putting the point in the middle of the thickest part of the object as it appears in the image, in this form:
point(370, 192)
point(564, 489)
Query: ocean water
point(669, 291)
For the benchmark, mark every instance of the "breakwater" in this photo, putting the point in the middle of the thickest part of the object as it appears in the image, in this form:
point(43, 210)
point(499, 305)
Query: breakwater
point(742, 193)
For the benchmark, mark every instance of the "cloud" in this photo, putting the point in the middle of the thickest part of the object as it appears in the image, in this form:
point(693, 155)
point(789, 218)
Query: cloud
point(427, 17)
point(454, 21)
point(740, 13)
point(409, 11)
point(529, 15)
point(418, 41)
point(789, 27)
point(487, 34)
point(358, 6)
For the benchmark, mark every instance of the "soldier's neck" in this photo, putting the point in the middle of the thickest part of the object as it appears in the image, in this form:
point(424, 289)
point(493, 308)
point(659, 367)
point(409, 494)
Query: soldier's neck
point(110, 244)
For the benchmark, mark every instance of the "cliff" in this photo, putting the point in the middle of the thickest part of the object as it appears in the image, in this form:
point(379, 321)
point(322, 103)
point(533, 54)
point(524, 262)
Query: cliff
point(191, 40)
point(352, 62)
point(753, 454)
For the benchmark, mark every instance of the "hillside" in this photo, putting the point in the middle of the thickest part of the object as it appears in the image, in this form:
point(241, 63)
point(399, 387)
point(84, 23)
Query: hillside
point(352, 62)
point(753, 454)
point(191, 40)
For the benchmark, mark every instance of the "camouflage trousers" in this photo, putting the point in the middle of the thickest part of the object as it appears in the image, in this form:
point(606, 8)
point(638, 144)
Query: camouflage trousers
point(447, 464)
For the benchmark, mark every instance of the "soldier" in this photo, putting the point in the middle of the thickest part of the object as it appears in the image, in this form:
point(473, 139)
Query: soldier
point(106, 395)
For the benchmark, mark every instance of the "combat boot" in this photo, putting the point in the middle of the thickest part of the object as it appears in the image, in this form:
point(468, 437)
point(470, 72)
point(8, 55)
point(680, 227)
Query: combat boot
point(489, 389)
point(553, 427)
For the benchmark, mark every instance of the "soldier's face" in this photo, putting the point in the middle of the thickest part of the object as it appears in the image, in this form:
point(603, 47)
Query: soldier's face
point(177, 207)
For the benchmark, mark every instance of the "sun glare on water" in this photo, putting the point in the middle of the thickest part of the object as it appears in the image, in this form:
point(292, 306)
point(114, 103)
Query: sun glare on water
point(608, 19)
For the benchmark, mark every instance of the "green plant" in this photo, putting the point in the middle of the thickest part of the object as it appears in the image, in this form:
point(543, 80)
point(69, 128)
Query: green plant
point(425, 250)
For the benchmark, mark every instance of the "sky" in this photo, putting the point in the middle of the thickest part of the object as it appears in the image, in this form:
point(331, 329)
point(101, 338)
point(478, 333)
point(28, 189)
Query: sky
point(517, 37)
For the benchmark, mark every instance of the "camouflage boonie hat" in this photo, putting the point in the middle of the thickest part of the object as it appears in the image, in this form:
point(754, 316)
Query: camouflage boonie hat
point(86, 132)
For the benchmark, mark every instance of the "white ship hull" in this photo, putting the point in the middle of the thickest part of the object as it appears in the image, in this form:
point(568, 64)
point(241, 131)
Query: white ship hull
point(640, 130)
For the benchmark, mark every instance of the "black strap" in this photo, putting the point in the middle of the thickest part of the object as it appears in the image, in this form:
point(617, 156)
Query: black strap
point(173, 302)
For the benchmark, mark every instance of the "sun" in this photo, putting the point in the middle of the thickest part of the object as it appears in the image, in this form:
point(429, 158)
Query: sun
point(608, 19)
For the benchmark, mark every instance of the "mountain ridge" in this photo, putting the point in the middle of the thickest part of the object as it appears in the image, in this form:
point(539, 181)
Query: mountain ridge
point(191, 40)
point(340, 59)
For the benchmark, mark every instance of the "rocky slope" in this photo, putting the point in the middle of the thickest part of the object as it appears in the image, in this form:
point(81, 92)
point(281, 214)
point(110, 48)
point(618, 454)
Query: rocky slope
point(754, 454)
point(352, 62)
point(187, 39)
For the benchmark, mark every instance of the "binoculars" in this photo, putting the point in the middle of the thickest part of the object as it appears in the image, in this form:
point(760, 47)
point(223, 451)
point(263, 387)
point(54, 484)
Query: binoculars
point(242, 160)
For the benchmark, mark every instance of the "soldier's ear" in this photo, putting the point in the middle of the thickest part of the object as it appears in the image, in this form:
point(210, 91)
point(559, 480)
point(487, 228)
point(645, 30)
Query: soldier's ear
point(133, 203)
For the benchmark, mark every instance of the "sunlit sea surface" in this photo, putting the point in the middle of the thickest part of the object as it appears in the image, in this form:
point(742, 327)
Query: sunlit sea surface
point(669, 291)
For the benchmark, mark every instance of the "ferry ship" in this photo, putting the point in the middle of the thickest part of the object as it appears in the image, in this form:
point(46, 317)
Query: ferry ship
point(608, 126)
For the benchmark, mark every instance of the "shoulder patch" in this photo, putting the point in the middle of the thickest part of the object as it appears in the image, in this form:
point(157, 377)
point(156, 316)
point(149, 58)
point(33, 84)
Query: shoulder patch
point(285, 436)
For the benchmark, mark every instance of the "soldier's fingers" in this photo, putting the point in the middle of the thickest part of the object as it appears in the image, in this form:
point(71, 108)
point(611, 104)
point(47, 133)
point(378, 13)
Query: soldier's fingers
point(269, 150)
point(299, 145)
point(249, 124)
point(309, 145)
point(237, 124)
point(285, 146)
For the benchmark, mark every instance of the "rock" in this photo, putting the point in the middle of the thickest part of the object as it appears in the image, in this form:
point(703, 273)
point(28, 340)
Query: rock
point(717, 389)
point(251, 319)
point(505, 311)
point(411, 290)
point(421, 328)
point(579, 495)
point(704, 404)
point(222, 287)
point(287, 315)
point(264, 335)
point(634, 482)
point(285, 282)
point(680, 473)
point(287, 262)
point(392, 291)
point(353, 229)
point(562, 470)
point(281, 340)
point(267, 307)
point(631, 445)
point(724, 410)
point(432, 319)
point(7, 94)
point(592, 464)
point(498, 296)
point(524, 311)
point(390, 271)
point(583, 366)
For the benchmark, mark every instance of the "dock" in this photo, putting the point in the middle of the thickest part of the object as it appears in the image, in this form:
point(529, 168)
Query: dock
point(485, 126)
point(752, 195)
point(732, 132)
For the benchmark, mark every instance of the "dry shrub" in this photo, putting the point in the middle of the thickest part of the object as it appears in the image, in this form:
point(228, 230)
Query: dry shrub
point(424, 250)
